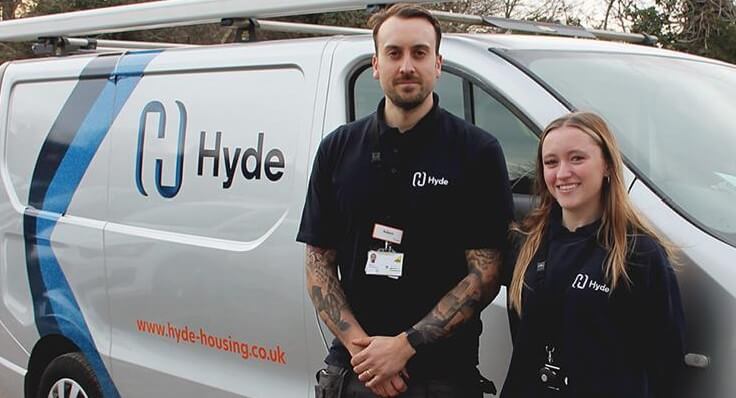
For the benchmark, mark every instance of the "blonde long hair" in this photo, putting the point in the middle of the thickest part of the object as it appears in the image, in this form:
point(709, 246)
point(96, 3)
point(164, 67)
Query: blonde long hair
point(619, 216)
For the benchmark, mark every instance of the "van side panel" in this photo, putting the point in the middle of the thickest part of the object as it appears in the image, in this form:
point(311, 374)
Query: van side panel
point(24, 123)
point(28, 123)
point(206, 185)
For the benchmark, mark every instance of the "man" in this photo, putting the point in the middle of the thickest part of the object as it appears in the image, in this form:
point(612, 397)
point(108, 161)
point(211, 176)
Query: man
point(424, 193)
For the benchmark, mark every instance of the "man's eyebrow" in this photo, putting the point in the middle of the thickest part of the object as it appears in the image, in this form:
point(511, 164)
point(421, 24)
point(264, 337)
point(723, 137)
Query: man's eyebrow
point(390, 46)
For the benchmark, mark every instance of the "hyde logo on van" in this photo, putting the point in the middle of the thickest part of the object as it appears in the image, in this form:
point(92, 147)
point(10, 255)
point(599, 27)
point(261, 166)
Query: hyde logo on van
point(250, 163)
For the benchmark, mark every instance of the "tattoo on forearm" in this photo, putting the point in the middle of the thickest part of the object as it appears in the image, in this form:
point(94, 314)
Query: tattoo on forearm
point(482, 260)
point(321, 263)
point(324, 287)
point(466, 299)
point(332, 306)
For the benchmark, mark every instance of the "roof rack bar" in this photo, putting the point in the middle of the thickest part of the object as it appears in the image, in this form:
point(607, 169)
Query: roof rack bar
point(138, 45)
point(458, 18)
point(294, 27)
point(638, 38)
point(167, 13)
point(60, 46)
point(69, 45)
point(252, 26)
point(538, 27)
point(545, 28)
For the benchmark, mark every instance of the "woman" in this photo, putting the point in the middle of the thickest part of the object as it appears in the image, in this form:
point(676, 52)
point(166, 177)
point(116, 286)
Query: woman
point(594, 305)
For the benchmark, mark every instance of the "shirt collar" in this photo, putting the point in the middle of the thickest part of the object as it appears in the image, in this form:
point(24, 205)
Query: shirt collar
point(558, 230)
point(426, 124)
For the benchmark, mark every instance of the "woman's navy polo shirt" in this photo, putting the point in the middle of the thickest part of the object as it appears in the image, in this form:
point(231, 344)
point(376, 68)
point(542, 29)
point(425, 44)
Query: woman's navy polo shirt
point(444, 183)
point(628, 343)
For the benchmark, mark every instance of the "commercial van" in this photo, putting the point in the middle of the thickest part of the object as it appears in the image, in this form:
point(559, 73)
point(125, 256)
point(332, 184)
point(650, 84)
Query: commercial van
point(149, 200)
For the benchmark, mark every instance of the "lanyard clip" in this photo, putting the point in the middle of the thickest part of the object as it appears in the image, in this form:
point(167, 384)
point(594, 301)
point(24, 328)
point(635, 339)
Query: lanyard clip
point(376, 158)
point(549, 350)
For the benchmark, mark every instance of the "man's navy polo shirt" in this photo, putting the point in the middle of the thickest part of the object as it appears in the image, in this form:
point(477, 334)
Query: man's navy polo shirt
point(444, 183)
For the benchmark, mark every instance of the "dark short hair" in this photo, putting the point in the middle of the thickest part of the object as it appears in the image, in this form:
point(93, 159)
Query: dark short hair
point(405, 11)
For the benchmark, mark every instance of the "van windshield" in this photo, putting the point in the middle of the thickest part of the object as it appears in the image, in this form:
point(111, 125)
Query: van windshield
point(675, 120)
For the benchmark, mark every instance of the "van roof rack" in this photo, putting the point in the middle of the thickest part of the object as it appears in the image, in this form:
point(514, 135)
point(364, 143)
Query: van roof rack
point(64, 45)
point(58, 33)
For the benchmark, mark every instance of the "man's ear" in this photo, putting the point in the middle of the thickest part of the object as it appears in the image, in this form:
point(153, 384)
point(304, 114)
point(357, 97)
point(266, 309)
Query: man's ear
point(374, 64)
point(438, 65)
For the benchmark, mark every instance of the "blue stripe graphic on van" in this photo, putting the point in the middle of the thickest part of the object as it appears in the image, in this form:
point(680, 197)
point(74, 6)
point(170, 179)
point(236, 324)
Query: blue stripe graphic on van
point(91, 82)
point(70, 146)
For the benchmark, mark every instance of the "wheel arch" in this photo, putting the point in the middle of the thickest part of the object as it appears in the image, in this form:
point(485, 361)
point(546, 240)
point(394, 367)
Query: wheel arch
point(45, 350)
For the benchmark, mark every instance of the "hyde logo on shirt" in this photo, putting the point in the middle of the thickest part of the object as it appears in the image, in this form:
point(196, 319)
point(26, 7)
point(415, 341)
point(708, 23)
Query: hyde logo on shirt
point(421, 178)
point(583, 281)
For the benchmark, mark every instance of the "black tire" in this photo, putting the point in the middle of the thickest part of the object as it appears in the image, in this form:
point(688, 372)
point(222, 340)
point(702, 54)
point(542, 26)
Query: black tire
point(67, 370)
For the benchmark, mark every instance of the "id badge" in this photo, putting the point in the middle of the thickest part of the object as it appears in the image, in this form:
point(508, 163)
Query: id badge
point(384, 264)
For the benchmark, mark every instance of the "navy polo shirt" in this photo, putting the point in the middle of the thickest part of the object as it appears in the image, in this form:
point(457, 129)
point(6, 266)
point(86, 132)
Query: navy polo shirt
point(445, 184)
point(626, 343)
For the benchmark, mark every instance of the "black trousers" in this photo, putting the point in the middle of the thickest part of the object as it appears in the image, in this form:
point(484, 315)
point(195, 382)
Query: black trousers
point(335, 382)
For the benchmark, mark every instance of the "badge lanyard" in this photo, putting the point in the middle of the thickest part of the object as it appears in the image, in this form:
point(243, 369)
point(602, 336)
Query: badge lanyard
point(385, 261)
point(376, 160)
point(552, 326)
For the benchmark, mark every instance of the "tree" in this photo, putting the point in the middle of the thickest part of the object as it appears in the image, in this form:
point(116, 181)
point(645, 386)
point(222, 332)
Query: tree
point(509, 6)
point(702, 27)
point(708, 27)
point(660, 20)
point(9, 8)
point(44, 7)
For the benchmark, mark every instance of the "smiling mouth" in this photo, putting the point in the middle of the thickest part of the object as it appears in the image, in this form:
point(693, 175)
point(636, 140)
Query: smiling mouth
point(567, 187)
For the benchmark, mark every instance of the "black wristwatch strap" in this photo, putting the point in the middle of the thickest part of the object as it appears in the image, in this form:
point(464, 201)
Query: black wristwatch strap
point(416, 340)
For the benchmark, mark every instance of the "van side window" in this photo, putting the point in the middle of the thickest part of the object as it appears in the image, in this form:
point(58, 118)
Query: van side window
point(450, 90)
point(366, 94)
point(518, 141)
point(467, 100)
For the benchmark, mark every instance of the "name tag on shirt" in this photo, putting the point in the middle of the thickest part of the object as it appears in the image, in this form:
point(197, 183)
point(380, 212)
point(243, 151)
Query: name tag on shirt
point(384, 263)
point(388, 234)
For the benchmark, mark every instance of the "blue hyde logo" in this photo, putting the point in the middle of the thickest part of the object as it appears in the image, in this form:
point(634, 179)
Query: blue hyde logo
point(157, 108)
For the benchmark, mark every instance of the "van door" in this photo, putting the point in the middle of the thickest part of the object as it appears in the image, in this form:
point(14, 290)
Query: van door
point(52, 275)
point(208, 174)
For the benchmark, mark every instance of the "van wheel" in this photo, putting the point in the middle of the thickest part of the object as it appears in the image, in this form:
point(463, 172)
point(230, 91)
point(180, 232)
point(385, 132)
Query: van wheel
point(69, 376)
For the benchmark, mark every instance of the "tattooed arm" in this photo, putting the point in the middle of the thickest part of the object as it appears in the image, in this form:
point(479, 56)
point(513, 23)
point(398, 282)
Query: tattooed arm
point(468, 298)
point(384, 355)
point(330, 302)
point(328, 297)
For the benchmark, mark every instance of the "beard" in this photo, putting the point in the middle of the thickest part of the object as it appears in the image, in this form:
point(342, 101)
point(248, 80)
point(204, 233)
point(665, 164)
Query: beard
point(408, 101)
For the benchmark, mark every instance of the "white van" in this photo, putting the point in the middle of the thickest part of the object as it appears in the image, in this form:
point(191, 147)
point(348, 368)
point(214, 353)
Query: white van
point(150, 199)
